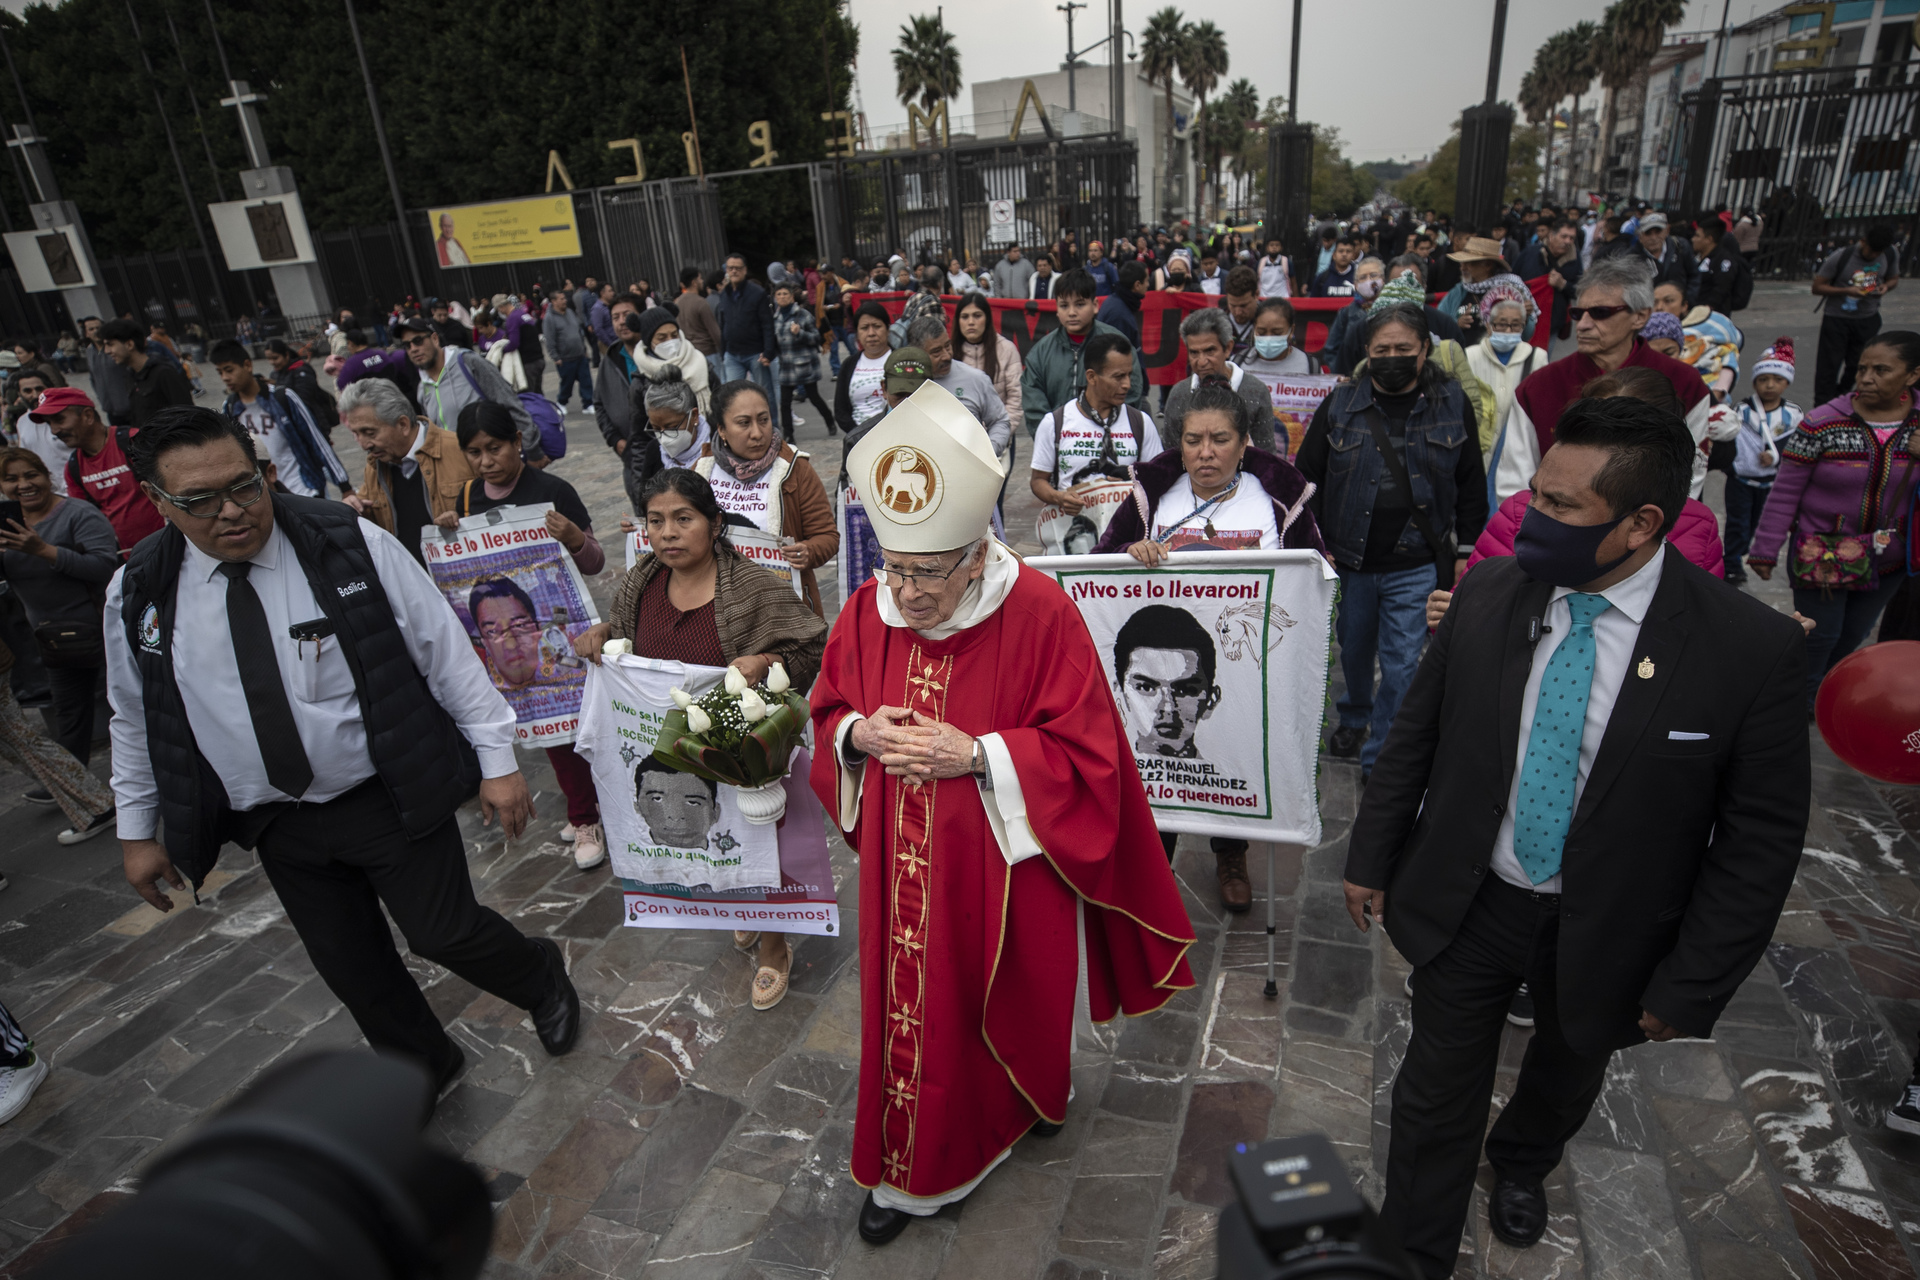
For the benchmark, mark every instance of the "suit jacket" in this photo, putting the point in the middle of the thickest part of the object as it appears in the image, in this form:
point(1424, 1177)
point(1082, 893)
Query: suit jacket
point(1680, 853)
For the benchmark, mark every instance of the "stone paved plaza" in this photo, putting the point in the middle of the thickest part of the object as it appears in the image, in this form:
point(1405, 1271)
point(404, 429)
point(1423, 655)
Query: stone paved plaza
point(688, 1136)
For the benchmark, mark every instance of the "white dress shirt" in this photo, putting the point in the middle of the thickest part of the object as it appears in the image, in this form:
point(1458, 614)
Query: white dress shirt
point(1615, 632)
point(326, 707)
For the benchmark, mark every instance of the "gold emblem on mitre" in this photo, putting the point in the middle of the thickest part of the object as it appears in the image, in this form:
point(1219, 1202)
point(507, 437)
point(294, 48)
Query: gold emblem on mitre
point(926, 474)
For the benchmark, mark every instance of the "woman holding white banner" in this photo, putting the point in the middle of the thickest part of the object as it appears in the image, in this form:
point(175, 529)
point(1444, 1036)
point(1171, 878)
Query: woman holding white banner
point(712, 607)
point(1217, 493)
point(491, 442)
point(761, 479)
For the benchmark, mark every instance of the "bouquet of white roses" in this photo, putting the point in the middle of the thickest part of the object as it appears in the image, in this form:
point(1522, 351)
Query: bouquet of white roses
point(738, 734)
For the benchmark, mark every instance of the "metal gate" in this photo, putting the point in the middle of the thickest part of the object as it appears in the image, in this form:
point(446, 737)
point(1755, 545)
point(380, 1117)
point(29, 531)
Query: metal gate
point(937, 199)
point(1821, 155)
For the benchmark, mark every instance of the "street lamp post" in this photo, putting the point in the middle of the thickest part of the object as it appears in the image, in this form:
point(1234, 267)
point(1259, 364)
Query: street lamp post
point(1485, 132)
point(386, 154)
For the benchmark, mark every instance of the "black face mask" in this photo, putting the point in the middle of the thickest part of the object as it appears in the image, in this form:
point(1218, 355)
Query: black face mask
point(1394, 375)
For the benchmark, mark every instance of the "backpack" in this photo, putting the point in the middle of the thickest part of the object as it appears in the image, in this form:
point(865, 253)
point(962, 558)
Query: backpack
point(545, 415)
point(1740, 291)
point(121, 434)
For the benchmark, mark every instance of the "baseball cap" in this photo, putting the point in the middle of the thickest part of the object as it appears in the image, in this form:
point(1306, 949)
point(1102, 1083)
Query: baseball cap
point(414, 324)
point(907, 368)
point(55, 401)
point(1653, 220)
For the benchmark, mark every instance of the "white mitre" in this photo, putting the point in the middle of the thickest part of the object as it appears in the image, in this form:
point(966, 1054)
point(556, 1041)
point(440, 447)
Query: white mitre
point(927, 474)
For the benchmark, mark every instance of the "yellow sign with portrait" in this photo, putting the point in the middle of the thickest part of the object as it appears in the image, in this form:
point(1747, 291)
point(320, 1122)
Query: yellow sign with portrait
point(531, 230)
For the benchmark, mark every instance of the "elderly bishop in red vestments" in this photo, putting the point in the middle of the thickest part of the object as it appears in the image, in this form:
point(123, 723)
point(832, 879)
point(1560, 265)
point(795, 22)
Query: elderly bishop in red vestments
point(972, 752)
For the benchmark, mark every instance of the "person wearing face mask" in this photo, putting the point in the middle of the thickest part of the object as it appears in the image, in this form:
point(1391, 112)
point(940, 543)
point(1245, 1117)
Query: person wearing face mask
point(1482, 263)
point(662, 346)
point(1599, 786)
point(669, 429)
point(1350, 322)
point(1275, 354)
point(1121, 308)
point(1207, 335)
point(1502, 359)
point(1402, 491)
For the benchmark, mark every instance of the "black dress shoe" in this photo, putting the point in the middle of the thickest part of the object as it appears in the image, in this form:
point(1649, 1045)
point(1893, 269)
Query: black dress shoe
point(1042, 1129)
point(1517, 1212)
point(878, 1225)
point(1345, 742)
point(557, 1017)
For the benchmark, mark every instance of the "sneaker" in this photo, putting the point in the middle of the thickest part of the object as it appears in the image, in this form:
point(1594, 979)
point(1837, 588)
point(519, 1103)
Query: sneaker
point(1520, 1012)
point(799, 421)
point(39, 795)
point(81, 835)
point(569, 833)
point(1345, 742)
point(1904, 1115)
point(588, 849)
point(17, 1085)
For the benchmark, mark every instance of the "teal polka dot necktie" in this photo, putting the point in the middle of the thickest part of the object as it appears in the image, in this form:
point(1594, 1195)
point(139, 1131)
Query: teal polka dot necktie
point(1544, 809)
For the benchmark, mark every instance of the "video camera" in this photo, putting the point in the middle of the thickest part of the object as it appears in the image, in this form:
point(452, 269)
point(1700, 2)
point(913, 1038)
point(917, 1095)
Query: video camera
point(1299, 1215)
point(317, 1172)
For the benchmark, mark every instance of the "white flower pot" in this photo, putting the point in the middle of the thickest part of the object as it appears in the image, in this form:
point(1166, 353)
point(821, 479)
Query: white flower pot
point(762, 805)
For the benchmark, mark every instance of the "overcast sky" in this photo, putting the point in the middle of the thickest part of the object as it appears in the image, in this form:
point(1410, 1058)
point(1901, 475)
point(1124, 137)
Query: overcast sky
point(1391, 99)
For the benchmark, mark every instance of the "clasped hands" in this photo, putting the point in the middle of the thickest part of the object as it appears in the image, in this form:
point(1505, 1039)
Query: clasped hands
point(914, 746)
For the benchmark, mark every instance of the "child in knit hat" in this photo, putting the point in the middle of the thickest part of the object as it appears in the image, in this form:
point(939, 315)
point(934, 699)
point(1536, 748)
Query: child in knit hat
point(1767, 418)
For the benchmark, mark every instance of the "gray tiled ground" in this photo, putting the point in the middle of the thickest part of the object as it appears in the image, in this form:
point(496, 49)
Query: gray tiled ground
point(689, 1136)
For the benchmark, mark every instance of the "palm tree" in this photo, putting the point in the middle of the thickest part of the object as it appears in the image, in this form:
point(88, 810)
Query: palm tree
point(1579, 43)
point(1203, 61)
point(1227, 118)
point(1538, 100)
point(1631, 32)
point(1160, 50)
point(925, 63)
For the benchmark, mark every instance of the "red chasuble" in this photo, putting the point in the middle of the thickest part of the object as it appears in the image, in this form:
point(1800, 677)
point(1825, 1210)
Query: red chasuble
point(967, 965)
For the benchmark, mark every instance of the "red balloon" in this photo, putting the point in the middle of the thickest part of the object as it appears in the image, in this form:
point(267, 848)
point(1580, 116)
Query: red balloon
point(1868, 709)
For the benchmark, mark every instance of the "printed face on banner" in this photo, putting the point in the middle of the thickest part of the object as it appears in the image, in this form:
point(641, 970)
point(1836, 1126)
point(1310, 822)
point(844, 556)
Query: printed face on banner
point(678, 808)
point(517, 592)
point(1165, 692)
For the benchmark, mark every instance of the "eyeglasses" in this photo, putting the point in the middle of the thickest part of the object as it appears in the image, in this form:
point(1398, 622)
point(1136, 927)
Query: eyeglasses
point(205, 506)
point(1598, 313)
point(521, 627)
point(921, 579)
point(418, 338)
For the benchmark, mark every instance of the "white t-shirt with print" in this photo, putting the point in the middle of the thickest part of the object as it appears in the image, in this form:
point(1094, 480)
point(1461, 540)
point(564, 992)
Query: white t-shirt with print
point(1243, 521)
point(751, 501)
point(869, 379)
point(1069, 436)
point(260, 423)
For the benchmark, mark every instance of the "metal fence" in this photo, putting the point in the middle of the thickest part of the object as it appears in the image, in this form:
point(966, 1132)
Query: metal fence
point(1821, 155)
point(644, 230)
point(940, 199)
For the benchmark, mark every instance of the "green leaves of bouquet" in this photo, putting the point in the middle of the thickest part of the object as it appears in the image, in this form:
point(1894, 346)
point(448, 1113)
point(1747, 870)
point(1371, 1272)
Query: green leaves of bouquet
point(736, 734)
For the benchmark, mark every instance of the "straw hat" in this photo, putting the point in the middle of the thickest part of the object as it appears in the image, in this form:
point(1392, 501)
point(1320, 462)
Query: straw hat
point(1479, 249)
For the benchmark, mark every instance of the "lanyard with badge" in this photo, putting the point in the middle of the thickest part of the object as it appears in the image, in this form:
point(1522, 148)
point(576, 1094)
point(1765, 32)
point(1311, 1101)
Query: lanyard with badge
point(1216, 500)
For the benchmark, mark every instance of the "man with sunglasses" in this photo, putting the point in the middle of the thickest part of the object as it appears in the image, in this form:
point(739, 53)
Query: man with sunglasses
point(452, 379)
point(1612, 299)
point(284, 677)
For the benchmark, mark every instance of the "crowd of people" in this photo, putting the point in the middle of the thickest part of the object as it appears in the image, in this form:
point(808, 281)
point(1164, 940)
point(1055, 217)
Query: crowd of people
point(1450, 440)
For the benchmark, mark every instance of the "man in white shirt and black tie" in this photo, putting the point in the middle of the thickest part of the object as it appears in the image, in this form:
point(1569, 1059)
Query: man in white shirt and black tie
point(1613, 734)
point(285, 676)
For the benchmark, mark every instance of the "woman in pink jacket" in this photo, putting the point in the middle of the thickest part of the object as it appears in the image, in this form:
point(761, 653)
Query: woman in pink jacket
point(1696, 534)
point(980, 346)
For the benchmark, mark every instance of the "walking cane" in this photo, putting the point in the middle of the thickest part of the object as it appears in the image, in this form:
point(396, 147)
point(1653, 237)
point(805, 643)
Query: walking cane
point(1273, 988)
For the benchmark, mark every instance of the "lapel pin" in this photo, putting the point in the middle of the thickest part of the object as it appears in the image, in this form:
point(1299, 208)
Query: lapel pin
point(1646, 668)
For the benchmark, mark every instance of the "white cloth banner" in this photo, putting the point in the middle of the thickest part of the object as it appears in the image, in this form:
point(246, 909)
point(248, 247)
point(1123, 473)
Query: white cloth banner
point(1061, 534)
point(1218, 660)
point(531, 601)
point(664, 826)
point(761, 548)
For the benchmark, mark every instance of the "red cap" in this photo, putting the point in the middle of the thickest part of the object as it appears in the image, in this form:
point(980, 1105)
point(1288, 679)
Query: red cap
point(56, 400)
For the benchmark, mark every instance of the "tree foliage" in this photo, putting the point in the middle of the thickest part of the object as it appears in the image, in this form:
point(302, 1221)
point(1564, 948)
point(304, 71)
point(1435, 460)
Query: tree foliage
point(1432, 186)
point(473, 101)
point(1339, 185)
point(1161, 46)
point(925, 63)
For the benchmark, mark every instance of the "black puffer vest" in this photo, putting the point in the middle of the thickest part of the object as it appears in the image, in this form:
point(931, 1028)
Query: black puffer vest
point(418, 752)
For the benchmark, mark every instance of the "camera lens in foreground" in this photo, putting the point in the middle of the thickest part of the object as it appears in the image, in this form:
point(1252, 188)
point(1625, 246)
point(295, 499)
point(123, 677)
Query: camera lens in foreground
point(317, 1172)
point(1299, 1215)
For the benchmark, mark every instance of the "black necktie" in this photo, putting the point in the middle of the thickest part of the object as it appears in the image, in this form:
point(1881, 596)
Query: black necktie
point(288, 768)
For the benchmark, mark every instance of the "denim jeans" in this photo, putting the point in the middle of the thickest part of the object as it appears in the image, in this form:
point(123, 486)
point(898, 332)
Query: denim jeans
point(1841, 621)
point(1381, 615)
point(1745, 498)
point(836, 336)
point(738, 367)
point(575, 370)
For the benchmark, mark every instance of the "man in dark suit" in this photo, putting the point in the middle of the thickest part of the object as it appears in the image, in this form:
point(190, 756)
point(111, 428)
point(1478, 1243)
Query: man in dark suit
point(1598, 785)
